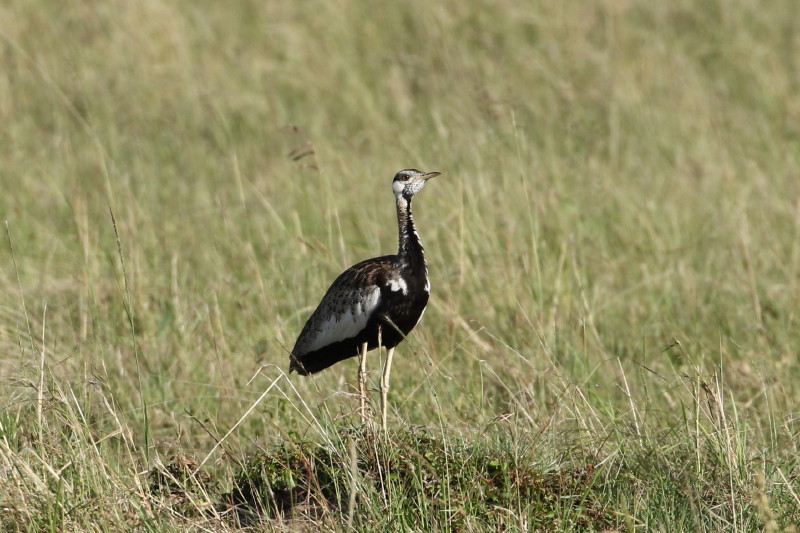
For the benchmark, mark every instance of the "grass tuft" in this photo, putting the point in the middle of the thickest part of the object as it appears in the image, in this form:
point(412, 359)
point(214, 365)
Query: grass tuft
point(412, 479)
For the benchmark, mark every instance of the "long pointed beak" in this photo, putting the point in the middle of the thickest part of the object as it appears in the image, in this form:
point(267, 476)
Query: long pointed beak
point(429, 175)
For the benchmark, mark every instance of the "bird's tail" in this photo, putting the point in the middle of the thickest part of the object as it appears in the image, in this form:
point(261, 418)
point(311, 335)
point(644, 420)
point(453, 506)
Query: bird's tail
point(318, 360)
point(296, 365)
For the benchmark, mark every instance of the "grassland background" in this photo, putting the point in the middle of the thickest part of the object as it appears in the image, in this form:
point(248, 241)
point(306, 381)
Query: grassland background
point(614, 245)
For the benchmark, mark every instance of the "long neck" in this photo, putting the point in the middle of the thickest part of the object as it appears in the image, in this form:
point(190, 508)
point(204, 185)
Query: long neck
point(410, 247)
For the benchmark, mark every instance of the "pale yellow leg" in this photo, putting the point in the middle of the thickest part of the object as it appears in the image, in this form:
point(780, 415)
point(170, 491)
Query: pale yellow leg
point(387, 370)
point(362, 376)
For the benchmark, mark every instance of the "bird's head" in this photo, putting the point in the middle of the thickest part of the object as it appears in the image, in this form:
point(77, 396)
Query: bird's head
point(410, 181)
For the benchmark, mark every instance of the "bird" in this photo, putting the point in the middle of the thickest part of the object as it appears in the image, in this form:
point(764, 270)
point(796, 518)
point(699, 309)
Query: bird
point(376, 302)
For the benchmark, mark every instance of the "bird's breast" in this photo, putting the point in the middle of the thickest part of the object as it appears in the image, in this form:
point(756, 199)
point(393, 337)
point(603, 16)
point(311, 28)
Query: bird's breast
point(404, 301)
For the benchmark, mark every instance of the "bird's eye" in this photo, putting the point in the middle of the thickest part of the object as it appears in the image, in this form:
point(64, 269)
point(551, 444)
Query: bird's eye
point(405, 177)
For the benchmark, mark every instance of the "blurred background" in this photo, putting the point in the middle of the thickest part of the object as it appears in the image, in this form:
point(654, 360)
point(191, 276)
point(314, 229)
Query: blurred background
point(615, 236)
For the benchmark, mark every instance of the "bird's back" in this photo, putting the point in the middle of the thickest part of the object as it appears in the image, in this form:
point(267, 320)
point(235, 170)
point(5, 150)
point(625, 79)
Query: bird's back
point(376, 294)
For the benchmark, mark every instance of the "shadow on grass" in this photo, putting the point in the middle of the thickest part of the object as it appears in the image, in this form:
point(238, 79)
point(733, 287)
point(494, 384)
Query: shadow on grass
point(408, 479)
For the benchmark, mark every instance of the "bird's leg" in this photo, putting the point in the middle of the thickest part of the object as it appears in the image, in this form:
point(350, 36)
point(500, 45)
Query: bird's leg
point(387, 369)
point(362, 388)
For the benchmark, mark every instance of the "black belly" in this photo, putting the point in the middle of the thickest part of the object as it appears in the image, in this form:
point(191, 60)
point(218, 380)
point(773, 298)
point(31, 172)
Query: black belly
point(395, 319)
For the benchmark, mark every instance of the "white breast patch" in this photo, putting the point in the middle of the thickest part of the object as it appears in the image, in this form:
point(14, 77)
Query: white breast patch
point(398, 284)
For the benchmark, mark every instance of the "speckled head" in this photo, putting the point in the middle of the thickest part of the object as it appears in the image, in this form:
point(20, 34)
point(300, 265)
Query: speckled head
point(410, 181)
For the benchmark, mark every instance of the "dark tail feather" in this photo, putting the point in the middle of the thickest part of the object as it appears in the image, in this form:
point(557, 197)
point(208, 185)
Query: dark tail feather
point(319, 360)
point(295, 365)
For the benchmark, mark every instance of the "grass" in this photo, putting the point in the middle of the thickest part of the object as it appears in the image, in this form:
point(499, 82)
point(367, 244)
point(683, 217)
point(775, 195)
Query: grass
point(614, 247)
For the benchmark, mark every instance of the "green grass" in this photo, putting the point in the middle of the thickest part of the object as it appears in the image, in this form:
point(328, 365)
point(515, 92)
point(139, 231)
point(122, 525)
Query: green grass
point(613, 336)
